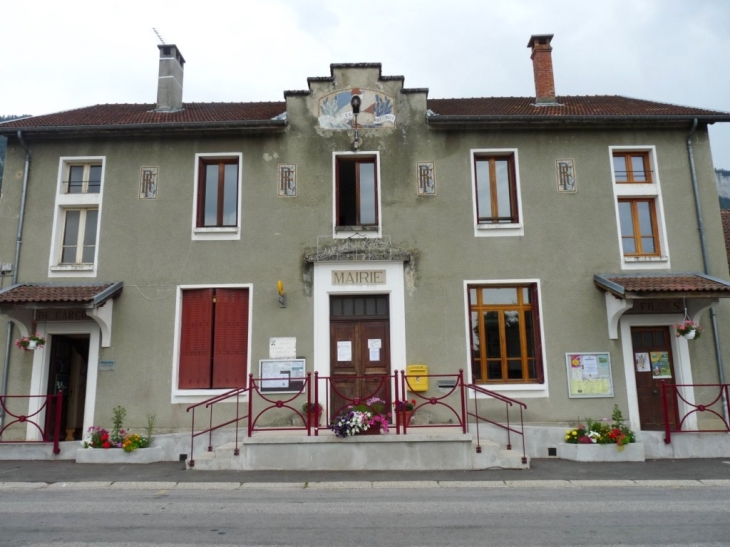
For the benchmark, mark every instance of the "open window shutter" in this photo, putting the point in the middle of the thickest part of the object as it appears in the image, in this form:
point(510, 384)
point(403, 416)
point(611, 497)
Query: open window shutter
point(196, 339)
point(538, 340)
point(230, 347)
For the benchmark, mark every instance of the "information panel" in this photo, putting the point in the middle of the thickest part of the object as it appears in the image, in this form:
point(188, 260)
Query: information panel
point(281, 375)
point(589, 375)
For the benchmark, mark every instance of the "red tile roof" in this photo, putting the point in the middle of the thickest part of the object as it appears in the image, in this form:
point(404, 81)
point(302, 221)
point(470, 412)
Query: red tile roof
point(599, 105)
point(656, 284)
point(53, 293)
point(725, 215)
point(126, 115)
point(137, 114)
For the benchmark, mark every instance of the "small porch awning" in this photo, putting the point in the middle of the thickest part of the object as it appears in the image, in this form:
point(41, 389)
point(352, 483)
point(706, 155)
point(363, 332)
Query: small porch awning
point(21, 303)
point(699, 291)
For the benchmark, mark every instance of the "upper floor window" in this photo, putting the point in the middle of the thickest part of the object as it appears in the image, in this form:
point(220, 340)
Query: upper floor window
point(217, 198)
point(639, 211)
point(77, 216)
point(631, 167)
point(505, 334)
point(218, 193)
point(496, 190)
point(496, 193)
point(357, 192)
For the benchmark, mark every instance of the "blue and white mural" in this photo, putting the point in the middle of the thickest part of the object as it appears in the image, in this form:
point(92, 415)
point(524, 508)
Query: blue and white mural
point(376, 110)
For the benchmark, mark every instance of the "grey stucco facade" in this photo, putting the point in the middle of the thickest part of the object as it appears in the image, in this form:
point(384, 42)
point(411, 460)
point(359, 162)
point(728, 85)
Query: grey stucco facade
point(564, 239)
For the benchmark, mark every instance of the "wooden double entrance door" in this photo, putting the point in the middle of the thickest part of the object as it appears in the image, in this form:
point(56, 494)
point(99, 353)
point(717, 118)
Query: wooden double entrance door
point(359, 349)
point(653, 364)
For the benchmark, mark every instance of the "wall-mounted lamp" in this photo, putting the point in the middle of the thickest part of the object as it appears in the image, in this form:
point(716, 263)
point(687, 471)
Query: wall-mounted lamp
point(355, 102)
point(282, 296)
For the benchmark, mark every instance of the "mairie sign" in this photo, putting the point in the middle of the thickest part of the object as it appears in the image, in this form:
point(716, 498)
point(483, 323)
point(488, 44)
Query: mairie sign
point(358, 277)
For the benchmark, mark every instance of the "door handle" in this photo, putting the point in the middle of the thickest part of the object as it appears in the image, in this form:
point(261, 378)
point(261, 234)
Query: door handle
point(655, 391)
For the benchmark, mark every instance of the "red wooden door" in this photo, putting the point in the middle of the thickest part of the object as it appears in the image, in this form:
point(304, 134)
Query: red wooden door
point(359, 350)
point(653, 364)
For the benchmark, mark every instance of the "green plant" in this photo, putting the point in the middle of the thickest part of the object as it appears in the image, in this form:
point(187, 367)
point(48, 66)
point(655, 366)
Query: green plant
point(118, 420)
point(151, 419)
point(311, 408)
point(687, 326)
point(602, 432)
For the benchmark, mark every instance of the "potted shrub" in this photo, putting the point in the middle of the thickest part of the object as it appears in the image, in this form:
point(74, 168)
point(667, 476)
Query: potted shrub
point(313, 411)
point(30, 343)
point(369, 418)
point(405, 410)
point(688, 329)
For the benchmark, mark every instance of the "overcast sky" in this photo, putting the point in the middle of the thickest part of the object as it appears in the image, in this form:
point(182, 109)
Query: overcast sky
point(64, 55)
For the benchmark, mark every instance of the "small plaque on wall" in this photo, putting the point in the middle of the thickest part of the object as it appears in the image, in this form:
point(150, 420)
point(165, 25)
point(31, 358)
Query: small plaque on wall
point(148, 179)
point(426, 179)
point(566, 176)
point(287, 181)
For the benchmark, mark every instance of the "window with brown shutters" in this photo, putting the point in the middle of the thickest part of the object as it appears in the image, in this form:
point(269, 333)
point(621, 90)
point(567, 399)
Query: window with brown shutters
point(213, 339)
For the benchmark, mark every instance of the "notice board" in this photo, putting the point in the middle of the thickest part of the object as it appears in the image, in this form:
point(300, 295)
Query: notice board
point(589, 375)
point(281, 375)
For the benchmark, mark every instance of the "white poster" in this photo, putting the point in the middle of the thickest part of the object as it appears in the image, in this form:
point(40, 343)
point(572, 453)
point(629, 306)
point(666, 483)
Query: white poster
point(590, 366)
point(375, 343)
point(282, 348)
point(344, 351)
point(374, 354)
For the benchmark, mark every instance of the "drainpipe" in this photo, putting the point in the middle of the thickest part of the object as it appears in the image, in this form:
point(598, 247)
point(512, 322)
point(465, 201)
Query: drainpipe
point(706, 264)
point(18, 240)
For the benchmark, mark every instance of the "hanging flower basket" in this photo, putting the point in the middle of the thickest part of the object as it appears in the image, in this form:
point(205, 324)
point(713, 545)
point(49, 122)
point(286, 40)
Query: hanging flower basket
point(30, 343)
point(688, 329)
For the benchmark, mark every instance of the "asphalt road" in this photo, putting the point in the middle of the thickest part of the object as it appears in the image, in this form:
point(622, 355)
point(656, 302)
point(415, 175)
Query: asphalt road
point(347, 516)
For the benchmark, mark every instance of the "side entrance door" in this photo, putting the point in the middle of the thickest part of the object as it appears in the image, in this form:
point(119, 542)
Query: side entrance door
point(653, 364)
point(67, 373)
point(359, 350)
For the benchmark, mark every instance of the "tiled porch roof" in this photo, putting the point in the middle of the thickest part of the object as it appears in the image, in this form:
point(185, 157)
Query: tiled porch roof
point(80, 294)
point(664, 285)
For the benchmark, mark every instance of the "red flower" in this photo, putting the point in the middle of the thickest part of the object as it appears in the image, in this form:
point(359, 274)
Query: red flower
point(105, 437)
point(106, 444)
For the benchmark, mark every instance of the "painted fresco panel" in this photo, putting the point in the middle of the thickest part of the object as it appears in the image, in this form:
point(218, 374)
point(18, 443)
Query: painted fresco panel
point(377, 110)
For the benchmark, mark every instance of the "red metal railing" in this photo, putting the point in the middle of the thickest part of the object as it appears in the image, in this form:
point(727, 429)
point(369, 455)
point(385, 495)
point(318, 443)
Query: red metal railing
point(326, 388)
point(508, 402)
point(718, 406)
point(34, 418)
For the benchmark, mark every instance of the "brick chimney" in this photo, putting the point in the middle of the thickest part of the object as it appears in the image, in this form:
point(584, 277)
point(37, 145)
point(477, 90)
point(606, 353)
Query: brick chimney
point(542, 66)
point(170, 80)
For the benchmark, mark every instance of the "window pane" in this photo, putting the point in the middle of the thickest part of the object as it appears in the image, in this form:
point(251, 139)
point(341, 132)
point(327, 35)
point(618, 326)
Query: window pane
point(476, 367)
point(494, 370)
point(90, 228)
point(531, 369)
point(75, 179)
point(525, 295)
point(619, 168)
point(484, 199)
point(230, 194)
point(627, 223)
point(647, 245)
point(504, 197)
point(629, 245)
point(637, 166)
point(512, 333)
point(491, 334)
point(88, 254)
point(367, 193)
point(211, 196)
point(94, 179)
point(346, 195)
point(529, 334)
point(645, 225)
point(514, 369)
point(71, 230)
point(472, 297)
point(499, 296)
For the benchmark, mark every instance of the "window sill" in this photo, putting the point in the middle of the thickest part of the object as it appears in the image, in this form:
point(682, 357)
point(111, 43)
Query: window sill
point(72, 268)
point(213, 234)
point(646, 259)
point(499, 230)
point(362, 231)
point(217, 230)
point(645, 263)
point(515, 391)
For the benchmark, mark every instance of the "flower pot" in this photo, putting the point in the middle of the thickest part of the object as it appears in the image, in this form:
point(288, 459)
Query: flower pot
point(690, 334)
point(372, 430)
point(314, 419)
point(32, 345)
point(406, 415)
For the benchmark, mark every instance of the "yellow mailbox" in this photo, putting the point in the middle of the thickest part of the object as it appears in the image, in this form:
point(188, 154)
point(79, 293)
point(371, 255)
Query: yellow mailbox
point(417, 377)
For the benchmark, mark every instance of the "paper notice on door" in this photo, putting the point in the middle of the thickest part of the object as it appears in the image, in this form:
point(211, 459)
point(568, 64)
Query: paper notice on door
point(374, 354)
point(374, 343)
point(642, 362)
point(344, 351)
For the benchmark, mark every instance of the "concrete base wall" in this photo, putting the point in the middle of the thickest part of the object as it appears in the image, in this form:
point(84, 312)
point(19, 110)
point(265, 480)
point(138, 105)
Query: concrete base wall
point(117, 455)
point(633, 452)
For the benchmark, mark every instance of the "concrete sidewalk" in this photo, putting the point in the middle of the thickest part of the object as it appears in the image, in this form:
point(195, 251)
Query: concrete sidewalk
point(548, 471)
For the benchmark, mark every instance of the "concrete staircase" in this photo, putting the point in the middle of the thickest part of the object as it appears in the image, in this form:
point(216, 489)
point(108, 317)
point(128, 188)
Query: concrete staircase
point(414, 452)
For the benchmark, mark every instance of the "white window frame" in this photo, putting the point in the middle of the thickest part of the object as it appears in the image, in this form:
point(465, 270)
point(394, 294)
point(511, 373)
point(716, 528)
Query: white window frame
point(223, 232)
point(515, 391)
point(64, 202)
point(198, 395)
point(496, 230)
point(650, 190)
point(344, 234)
